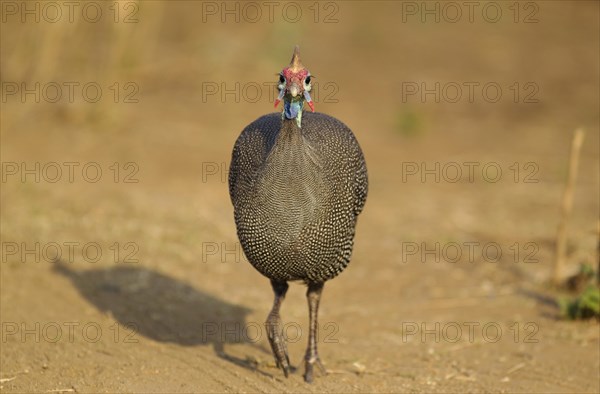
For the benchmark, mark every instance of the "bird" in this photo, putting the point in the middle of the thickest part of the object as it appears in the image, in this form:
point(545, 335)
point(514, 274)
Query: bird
point(297, 182)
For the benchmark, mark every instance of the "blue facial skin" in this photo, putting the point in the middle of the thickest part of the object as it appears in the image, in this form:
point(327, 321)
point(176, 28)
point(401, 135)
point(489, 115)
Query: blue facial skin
point(291, 108)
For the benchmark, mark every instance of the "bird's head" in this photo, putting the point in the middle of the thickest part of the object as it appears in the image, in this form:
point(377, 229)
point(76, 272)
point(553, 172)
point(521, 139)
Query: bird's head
point(294, 86)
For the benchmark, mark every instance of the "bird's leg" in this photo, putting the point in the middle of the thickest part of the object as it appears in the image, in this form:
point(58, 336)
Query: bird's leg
point(274, 332)
point(312, 357)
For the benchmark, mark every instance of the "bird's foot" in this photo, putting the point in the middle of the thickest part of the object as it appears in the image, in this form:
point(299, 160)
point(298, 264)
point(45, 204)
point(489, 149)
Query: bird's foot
point(310, 361)
point(278, 344)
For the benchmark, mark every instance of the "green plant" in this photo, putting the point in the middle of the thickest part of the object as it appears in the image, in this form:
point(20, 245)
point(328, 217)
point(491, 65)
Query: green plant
point(585, 306)
point(409, 123)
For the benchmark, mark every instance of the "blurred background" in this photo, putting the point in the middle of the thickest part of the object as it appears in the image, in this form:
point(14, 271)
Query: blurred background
point(117, 124)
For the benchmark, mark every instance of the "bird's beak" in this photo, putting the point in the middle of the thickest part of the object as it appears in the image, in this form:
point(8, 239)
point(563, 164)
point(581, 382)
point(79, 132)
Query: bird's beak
point(294, 90)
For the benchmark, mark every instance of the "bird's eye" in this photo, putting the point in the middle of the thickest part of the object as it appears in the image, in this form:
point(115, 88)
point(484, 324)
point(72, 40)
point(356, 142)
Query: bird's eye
point(281, 79)
point(307, 80)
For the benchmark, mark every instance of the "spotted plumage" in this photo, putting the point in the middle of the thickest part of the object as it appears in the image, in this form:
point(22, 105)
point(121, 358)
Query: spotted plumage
point(297, 193)
point(297, 183)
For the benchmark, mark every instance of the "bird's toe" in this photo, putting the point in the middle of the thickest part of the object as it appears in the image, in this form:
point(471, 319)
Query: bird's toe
point(309, 368)
point(279, 347)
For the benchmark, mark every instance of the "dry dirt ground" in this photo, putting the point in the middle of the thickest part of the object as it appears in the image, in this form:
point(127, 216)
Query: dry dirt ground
point(171, 305)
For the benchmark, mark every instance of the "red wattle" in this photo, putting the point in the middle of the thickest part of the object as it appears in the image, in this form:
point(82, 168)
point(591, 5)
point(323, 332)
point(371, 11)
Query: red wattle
point(277, 102)
point(311, 105)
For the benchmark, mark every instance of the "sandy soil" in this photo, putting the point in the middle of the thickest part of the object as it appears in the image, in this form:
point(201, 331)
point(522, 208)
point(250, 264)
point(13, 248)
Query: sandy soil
point(171, 305)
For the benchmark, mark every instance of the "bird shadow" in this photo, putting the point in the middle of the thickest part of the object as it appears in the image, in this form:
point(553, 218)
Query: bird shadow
point(549, 306)
point(164, 309)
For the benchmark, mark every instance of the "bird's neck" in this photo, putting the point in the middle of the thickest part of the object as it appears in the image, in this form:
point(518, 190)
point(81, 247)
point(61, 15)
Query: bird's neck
point(292, 111)
point(290, 129)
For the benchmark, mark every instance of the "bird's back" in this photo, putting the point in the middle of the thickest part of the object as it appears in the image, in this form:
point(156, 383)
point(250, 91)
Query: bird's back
point(296, 194)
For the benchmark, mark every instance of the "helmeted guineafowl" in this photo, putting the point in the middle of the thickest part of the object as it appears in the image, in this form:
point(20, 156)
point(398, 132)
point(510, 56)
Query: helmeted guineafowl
point(297, 183)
